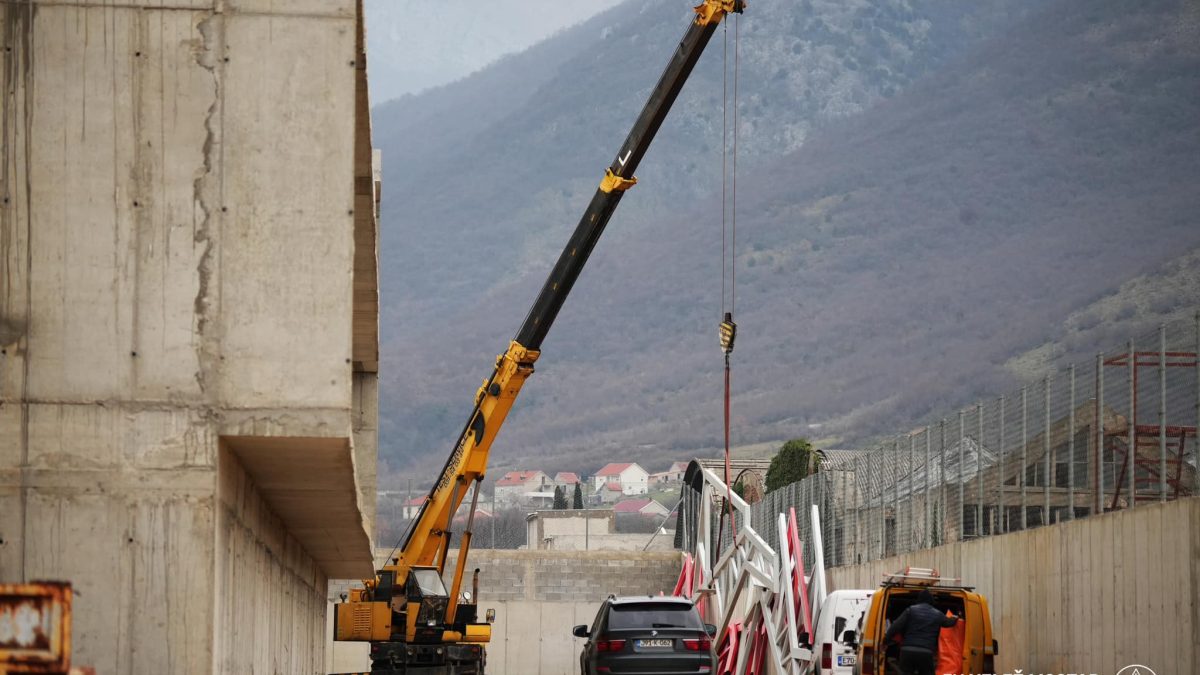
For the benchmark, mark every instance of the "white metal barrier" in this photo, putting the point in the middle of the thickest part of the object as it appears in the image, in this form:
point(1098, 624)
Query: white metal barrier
point(759, 598)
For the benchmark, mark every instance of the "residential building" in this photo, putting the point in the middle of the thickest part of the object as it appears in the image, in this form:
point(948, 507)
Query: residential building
point(412, 507)
point(672, 476)
point(632, 478)
point(609, 493)
point(566, 480)
point(644, 506)
point(481, 514)
point(513, 487)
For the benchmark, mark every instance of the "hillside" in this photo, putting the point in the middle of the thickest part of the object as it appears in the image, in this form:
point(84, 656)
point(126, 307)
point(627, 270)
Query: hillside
point(889, 265)
point(1163, 296)
point(486, 177)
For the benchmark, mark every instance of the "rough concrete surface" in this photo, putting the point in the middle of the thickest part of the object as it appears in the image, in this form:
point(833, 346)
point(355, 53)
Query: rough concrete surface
point(1088, 596)
point(182, 424)
point(538, 597)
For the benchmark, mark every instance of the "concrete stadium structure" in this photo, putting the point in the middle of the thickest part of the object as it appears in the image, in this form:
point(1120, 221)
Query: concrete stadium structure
point(188, 324)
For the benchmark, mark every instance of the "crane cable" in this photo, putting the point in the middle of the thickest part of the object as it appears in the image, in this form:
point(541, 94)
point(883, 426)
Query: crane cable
point(728, 329)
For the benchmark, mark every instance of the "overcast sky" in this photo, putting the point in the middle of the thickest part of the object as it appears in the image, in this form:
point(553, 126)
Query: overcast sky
point(414, 45)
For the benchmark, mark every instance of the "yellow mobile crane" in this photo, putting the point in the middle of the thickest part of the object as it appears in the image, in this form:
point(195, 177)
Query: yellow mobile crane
point(414, 624)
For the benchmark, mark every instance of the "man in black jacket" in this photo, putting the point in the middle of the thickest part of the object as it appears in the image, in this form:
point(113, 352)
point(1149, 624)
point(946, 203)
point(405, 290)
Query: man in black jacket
point(920, 624)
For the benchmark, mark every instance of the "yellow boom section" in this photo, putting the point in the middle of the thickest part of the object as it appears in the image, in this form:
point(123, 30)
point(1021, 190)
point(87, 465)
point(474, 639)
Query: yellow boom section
point(468, 463)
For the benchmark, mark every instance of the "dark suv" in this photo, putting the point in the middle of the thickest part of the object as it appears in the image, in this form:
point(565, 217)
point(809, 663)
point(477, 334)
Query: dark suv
point(646, 634)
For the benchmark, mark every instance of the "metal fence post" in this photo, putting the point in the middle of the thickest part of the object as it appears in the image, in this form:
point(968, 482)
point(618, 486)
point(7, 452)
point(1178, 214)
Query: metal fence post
point(871, 461)
point(883, 515)
point(926, 506)
point(962, 463)
point(912, 493)
point(1071, 450)
point(822, 517)
point(1049, 465)
point(1196, 443)
point(1131, 453)
point(961, 507)
point(895, 497)
point(941, 511)
point(857, 508)
point(1099, 424)
point(1162, 414)
point(1001, 504)
point(1024, 455)
point(979, 510)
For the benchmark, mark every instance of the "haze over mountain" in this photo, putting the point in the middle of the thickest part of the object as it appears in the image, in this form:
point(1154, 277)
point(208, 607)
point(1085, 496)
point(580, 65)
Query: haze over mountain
point(414, 46)
point(926, 190)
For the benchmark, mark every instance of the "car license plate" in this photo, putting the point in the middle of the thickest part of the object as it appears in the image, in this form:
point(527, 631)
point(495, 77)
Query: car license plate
point(659, 643)
point(847, 660)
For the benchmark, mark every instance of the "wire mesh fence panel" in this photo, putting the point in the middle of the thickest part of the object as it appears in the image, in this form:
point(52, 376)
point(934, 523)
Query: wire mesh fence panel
point(1109, 433)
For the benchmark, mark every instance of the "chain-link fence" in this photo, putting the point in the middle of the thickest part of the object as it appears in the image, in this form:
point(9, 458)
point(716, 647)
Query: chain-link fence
point(1059, 448)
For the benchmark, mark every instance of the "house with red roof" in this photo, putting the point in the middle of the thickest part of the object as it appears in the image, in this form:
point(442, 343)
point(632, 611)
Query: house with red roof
point(481, 513)
point(514, 485)
point(633, 479)
point(610, 493)
point(566, 479)
point(643, 506)
point(673, 474)
point(412, 507)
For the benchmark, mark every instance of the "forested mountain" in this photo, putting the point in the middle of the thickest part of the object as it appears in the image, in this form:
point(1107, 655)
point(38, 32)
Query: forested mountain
point(926, 189)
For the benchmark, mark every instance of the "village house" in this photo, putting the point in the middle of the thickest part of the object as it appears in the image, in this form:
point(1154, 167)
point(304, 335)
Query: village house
point(609, 493)
point(513, 487)
point(672, 476)
point(633, 479)
point(566, 480)
point(412, 507)
point(644, 507)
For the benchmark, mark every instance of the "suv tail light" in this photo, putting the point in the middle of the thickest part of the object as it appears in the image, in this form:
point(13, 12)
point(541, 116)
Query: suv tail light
point(868, 661)
point(826, 655)
point(701, 645)
point(610, 645)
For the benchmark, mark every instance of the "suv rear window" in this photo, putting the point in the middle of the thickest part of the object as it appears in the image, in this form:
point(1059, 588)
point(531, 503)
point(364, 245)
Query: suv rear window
point(653, 615)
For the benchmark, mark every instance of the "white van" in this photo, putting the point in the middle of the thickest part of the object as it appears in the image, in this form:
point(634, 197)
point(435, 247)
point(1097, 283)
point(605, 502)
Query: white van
point(842, 612)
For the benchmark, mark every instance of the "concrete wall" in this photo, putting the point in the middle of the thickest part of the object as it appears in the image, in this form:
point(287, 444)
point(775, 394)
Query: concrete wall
point(274, 596)
point(557, 576)
point(538, 597)
point(176, 259)
point(568, 530)
point(634, 542)
point(1089, 596)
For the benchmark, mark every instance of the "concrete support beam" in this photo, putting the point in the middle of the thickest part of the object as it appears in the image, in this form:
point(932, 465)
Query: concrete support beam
point(187, 424)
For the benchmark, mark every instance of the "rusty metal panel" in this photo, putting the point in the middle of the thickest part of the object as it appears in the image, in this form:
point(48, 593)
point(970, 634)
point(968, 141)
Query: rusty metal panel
point(35, 627)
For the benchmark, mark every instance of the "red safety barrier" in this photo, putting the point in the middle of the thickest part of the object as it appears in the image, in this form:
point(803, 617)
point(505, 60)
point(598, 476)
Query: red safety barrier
point(800, 585)
point(683, 587)
point(727, 657)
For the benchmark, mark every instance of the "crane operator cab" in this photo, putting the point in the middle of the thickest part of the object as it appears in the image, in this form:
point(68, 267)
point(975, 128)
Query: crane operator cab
point(423, 605)
point(406, 624)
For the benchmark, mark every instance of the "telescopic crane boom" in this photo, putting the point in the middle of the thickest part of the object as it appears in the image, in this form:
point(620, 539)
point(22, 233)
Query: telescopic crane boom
point(414, 624)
